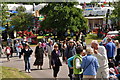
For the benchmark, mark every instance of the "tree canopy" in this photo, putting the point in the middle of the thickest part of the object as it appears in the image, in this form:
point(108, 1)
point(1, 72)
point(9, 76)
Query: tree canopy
point(4, 15)
point(62, 16)
point(115, 17)
point(22, 21)
point(21, 9)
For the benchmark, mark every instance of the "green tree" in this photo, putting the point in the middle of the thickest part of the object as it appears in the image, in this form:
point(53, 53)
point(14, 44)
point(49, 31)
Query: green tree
point(115, 17)
point(4, 15)
point(5, 20)
point(63, 16)
point(21, 9)
point(22, 21)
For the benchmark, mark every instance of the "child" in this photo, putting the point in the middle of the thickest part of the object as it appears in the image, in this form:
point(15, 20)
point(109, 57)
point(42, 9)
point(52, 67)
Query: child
point(8, 52)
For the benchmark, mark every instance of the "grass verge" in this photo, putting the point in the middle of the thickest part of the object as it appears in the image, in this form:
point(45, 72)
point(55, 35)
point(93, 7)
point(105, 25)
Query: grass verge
point(13, 73)
point(91, 37)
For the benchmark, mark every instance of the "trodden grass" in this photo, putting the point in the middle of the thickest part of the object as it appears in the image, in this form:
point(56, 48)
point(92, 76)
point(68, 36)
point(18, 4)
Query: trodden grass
point(13, 73)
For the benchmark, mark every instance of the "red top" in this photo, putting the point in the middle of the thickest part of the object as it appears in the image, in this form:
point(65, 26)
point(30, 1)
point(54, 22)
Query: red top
point(8, 50)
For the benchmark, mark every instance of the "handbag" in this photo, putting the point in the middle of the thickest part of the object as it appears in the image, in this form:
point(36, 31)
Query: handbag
point(8, 51)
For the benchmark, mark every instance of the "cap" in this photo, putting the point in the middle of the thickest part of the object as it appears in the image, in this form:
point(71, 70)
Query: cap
point(71, 40)
point(39, 42)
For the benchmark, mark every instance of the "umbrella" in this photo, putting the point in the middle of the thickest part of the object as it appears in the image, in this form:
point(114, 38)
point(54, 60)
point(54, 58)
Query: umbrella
point(12, 26)
point(11, 11)
point(2, 28)
point(14, 12)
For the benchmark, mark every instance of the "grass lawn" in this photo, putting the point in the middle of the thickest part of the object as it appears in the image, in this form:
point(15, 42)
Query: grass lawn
point(91, 37)
point(8, 72)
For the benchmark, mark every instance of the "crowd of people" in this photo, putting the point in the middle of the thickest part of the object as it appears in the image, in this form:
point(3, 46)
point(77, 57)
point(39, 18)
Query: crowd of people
point(90, 62)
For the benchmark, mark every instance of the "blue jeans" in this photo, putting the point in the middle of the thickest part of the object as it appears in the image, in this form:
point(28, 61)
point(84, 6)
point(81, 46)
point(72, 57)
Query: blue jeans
point(27, 63)
point(118, 76)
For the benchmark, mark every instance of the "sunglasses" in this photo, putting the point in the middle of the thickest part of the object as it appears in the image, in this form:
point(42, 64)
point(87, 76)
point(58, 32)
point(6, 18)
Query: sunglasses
point(55, 47)
point(91, 46)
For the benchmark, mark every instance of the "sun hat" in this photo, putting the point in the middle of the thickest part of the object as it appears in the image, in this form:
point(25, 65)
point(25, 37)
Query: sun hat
point(71, 40)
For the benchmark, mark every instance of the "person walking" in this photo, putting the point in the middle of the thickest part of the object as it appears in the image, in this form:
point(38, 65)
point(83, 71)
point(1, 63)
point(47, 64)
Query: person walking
point(1, 50)
point(16, 47)
point(11, 45)
point(77, 60)
point(8, 52)
point(100, 53)
point(83, 41)
point(26, 51)
point(69, 52)
point(89, 65)
point(39, 53)
point(110, 47)
point(55, 61)
point(49, 49)
point(64, 45)
point(117, 57)
point(20, 47)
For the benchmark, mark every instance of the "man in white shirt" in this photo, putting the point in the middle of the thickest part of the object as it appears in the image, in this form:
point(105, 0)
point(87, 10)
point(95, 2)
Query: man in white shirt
point(100, 53)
